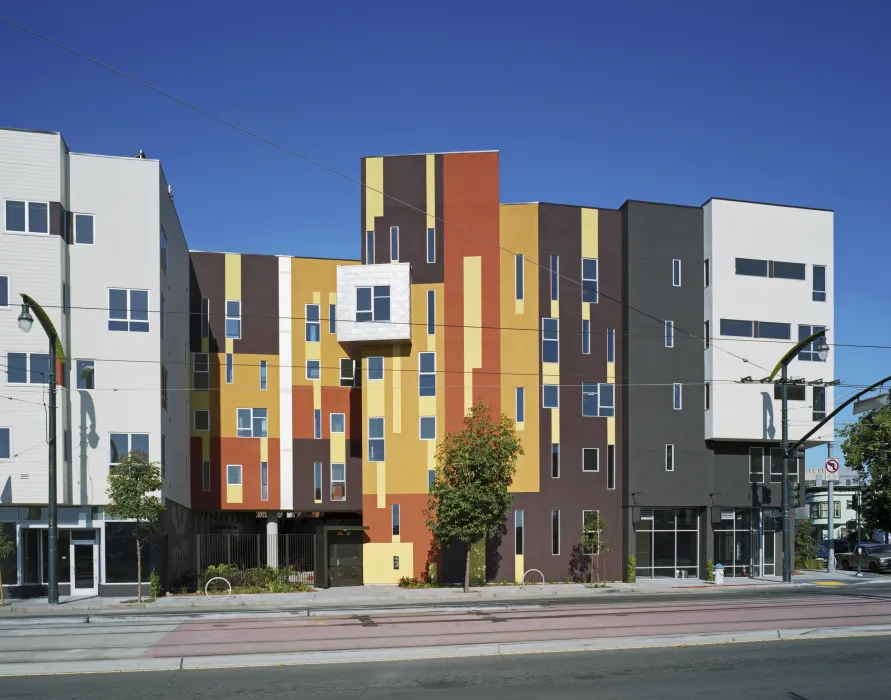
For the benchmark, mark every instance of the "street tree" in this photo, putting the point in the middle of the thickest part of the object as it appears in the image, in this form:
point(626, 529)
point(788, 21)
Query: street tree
point(470, 497)
point(7, 551)
point(133, 486)
point(594, 541)
point(867, 450)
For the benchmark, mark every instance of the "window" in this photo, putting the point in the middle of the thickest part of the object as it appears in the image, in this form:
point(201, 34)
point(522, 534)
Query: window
point(27, 368)
point(347, 371)
point(431, 478)
point(555, 532)
point(375, 368)
point(163, 454)
point(83, 229)
point(201, 420)
point(611, 467)
point(427, 427)
point(586, 337)
point(338, 423)
point(427, 374)
point(313, 325)
point(4, 291)
point(163, 316)
point(313, 369)
point(819, 403)
point(794, 392)
point(778, 331)
point(598, 400)
point(555, 277)
point(317, 424)
point(707, 334)
point(332, 318)
point(394, 516)
point(128, 310)
point(230, 369)
point(669, 458)
point(205, 476)
point(550, 340)
point(519, 280)
point(263, 376)
point(431, 312)
point(550, 396)
point(369, 247)
point(756, 465)
point(375, 439)
point(338, 482)
point(591, 532)
point(521, 405)
point(85, 371)
point(669, 334)
point(122, 444)
point(610, 345)
point(317, 482)
point(776, 465)
point(5, 443)
point(589, 280)
point(837, 509)
point(819, 283)
point(205, 318)
point(708, 395)
point(677, 391)
point(753, 268)
point(394, 244)
point(675, 273)
point(431, 245)
point(770, 268)
point(590, 459)
point(555, 460)
point(739, 329)
point(518, 532)
point(706, 273)
point(27, 217)
point(787, 270)
point(264, 481)
point(201, 371)
point(373, 303)
point(163, 250)
point(233, 474)
point(809, 352)
point(252, 422)
point(817, 510)
point(163, 387)
point(233, 319)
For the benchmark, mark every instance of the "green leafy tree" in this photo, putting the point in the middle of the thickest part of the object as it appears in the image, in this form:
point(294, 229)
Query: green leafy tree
point(594, 540)
point(132, 495)
point(470, 498)
point(7, 550)
point(867, 450)
point(805, 544)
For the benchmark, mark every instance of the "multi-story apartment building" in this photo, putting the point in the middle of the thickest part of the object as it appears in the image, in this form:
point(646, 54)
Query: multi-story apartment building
point(315, 391)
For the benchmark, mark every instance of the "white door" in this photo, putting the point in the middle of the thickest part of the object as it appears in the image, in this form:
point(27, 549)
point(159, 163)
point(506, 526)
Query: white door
point(84, 563)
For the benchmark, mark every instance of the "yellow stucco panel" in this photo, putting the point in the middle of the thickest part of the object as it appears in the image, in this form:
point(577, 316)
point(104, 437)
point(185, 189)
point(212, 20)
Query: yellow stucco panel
point(234, 494)
point(233, 277)
point(377, 561)
point(519, 562)
point(245, 392)
point(431, 190)
point(374, 198)
point(473, 321)
point(590, 233)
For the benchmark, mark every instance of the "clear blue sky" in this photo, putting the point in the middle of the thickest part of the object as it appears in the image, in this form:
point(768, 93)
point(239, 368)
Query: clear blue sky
point(588, 102)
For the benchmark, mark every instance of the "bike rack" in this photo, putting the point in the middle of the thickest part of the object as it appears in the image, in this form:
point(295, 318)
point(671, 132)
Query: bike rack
point(217, 578)
point(540, 586)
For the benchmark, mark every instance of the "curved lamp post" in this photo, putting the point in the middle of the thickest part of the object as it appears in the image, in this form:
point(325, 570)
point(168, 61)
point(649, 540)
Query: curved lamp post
point(26, 321)
point(783, 365)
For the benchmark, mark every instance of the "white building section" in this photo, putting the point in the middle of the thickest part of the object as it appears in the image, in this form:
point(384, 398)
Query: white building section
point(286, 409)
point(374, 303)
point(769, 274)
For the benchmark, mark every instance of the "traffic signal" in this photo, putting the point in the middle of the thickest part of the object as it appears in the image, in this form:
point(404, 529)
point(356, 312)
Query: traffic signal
point(855, 502)
point(794, 494)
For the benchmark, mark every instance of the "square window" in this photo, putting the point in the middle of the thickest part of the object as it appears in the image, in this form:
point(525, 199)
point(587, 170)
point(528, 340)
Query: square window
point(590, 459)
point(338, 423)
point(15, 216)
point(202, 421)
point(428, 427)
point(86, 374)
point(233, 475)
point(39, 368)
point(313, 369)
point(128, 310)
point(16, 368)
point(83, 229)
point(244, 423)
point(550, 396)
point(375, 368)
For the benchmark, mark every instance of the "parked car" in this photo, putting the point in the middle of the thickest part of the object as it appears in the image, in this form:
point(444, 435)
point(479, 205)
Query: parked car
point(872, 556)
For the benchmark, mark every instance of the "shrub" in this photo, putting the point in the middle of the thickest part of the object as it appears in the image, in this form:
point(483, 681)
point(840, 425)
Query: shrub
point(411, 582)
point(155, 585)
point(709, 570)
point(631, 570)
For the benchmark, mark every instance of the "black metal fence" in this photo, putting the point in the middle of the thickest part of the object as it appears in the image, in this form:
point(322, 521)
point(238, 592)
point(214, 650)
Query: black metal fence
point(255, 563)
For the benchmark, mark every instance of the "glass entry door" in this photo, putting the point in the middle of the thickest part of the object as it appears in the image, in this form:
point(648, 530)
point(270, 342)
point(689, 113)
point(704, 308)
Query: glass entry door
point(84, 563)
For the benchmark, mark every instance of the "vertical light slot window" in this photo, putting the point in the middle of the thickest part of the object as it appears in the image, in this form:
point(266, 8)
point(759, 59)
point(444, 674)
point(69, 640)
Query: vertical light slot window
point(313, 324)
point(431, 245)
point(708, 396)
point(756, 465)
point(555, 460)
point(163, 250)
point(669, 334)
point(519, 279)
point(677, 398)
point(707, 334)
point(586, 337)
point(5, 443)
point(394, 519)
point(610, 344)
point(611, 467)
point(555, 532)
point(205, 475)
point(163, 317)
point(431, 312)
point(376, 445)
point(518, 532)
point(669, 458)
point(4, 291)
point(332, 318)
point(230, 369)
point(555, 278)
point(163, 387)
point(676, 273)
point(338, 482)
point(706, 273)
point(263, 376)
point(819, 403)
point(264, 481)
point(521, 405)
point(589, 280)
point(550, 340)
point(819, 293)
point(233, 319)
point(394, 244)
point(427, 374)
point(317, 482)
point(317, 424)
point(369, 247)
point(205, 318)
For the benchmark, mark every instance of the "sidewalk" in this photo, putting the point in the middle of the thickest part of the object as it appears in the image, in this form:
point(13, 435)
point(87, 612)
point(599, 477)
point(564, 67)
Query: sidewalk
point(387, 597)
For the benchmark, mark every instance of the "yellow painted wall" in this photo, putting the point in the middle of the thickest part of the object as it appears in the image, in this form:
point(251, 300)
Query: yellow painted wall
point(377, 561)
point(520, 348)
point(245, 392)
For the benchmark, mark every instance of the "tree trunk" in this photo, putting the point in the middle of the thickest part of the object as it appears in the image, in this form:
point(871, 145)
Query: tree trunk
point(467, 568)
point(138, 571)
point(2, 597)
point(591, 576)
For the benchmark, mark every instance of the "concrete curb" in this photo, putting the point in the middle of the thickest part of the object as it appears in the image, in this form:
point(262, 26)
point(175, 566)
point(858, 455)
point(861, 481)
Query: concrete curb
point(442, 652)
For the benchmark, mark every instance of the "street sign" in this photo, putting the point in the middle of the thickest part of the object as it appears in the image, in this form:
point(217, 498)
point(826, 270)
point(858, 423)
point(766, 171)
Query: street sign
point(821, 475)
point(832, 465)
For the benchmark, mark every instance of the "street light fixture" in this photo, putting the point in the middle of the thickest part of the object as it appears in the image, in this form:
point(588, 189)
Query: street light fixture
point(26, 320)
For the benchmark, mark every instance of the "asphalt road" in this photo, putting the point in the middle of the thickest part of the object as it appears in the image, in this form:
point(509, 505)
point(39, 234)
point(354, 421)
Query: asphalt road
point(799, 670)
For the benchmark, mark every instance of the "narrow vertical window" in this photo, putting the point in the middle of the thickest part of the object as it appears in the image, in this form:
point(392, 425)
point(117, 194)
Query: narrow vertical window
point(205, 318)
point(819, 403)
point(756, 465)
point(611, 466)
point(589, 280)
point(708, 395)
point(555, 532)
point(317, 482)
point(520, 282)
point(395, 519)
point(669, 458)
point(338, 482)
point(676, 273)
point(230, 369)
point(610, 344)
point(369, 247)
point(707, 334)
point(706, 273)
point(431, 312)
point(555, 277)
point(431, 245)
point(819, 283)
point(677, 400)
point(550, 340)
point(394, 244)
point(163, 250)
point(264, 481)
point(317, 424)
point(263, 378)
point(521, 404)
point(332, 318)
point(586, 337)
point(555, 460)
point(669, 334)
point(163, 316)
point(205, 476)
point(518, 532)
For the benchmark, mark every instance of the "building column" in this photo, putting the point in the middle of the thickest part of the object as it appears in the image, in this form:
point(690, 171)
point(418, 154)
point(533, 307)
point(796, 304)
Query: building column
point(272, 540)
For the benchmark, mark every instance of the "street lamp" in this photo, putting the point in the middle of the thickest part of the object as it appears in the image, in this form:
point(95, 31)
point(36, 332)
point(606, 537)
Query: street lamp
point(26, 321)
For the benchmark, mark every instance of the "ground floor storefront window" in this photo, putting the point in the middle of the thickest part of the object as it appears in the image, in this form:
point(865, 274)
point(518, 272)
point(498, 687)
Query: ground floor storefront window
point(746, 541)
point(667, 542)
